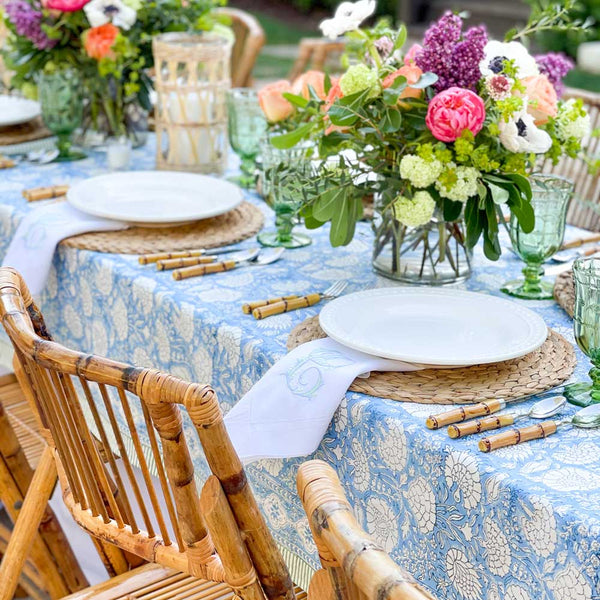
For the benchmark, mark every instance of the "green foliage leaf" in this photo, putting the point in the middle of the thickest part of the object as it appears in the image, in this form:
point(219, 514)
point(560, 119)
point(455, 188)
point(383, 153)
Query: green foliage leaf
point(290, 139)
point(296, 100)
point(401, 37)
point(499, 194)
point(391, 121)
point(452, 209)
point(425, 80)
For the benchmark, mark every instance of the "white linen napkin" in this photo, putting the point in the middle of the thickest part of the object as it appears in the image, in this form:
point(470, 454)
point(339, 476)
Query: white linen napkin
point(287, 412)
point(32, 248)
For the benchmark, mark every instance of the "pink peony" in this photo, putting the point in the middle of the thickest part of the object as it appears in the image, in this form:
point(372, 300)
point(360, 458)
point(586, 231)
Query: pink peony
point(65, 5)
point(454, 110)
point(409, 59)
point(272, 102)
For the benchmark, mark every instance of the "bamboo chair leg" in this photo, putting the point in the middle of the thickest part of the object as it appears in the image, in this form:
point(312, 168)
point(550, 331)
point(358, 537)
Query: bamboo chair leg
point(27, 524)
point(40, 555)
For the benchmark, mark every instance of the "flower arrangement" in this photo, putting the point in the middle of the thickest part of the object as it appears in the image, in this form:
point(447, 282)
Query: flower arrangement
point(108, 41)
point(446, 130)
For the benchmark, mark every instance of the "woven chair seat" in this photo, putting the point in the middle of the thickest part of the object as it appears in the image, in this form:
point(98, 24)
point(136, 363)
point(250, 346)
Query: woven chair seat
point(153, 582)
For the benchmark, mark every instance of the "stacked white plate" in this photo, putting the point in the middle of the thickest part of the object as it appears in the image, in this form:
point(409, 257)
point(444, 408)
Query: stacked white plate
point(154, 198)
point(15, 111)
point(437, 327)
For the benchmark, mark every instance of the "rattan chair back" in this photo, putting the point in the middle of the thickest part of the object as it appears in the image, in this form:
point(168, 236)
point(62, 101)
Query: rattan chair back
point(249, 39)
point(129, 486)
point(584, 210)
point(356, 565)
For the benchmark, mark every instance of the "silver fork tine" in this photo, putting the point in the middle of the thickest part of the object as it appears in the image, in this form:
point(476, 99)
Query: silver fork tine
point(332, 287)
point(335, 290)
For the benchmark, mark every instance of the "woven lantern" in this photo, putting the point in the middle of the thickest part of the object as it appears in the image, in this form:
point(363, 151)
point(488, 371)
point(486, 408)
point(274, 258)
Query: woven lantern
point(192, 79)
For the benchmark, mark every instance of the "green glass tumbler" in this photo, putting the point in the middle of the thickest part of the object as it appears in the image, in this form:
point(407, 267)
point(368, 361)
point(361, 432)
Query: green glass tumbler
point(247, 126)
point(61, 99)
point(284, 180)
point(550, 199)
point(586, 325)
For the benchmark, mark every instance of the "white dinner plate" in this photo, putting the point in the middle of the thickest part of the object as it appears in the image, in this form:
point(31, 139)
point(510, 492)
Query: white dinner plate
point(433, 326)
point(154, 198)
point(14, 110)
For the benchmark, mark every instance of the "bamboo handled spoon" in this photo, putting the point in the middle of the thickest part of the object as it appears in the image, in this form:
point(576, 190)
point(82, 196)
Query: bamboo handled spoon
point(586, 418)
point(540, 410)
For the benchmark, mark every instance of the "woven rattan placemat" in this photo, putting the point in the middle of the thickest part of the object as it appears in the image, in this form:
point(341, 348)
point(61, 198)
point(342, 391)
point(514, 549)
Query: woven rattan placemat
point(236, 225)
point(25, 132)
point(564, 291)
point(549, 366)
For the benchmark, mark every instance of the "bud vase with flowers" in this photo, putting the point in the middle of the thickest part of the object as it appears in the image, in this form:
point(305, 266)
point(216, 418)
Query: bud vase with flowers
point(443, 135)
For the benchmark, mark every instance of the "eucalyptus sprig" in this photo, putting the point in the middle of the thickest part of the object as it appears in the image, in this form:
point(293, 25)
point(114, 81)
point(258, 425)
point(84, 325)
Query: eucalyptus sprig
point(550, 16)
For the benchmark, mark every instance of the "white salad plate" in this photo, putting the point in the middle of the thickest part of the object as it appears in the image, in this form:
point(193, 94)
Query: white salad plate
point(435, 327)
point(154, 198)
point(14, 110)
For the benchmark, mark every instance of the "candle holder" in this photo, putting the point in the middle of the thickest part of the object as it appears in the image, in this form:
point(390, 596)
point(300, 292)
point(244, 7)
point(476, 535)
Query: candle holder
point(192, 79)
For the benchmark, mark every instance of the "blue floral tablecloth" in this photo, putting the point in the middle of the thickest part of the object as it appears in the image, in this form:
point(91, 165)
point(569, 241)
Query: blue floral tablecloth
point(521, 523)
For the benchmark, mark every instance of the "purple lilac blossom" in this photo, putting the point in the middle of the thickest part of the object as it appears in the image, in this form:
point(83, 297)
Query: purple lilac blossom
point(555, 65)
point(452, 56)
point(28, 23)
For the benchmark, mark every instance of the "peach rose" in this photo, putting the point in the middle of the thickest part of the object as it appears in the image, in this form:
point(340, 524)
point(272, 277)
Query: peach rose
point(98, 41)
point(314, 79)
point(412, 74)
point(454, 110)
point(543, 101)
point(272, 102)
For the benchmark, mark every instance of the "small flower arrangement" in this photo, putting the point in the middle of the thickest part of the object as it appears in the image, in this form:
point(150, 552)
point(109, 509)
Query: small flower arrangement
point(108, 41)
point(446, 130)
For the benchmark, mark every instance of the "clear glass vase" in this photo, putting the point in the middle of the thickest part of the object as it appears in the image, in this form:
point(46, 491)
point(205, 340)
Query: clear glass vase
point(431, 254)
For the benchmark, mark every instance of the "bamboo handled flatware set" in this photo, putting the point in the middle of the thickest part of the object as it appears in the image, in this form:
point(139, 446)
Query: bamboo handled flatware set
point(463, 422)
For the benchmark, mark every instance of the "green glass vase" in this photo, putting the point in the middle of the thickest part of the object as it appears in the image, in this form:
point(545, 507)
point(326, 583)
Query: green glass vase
point(61, 99)
point(550, 199)
point(586, 325)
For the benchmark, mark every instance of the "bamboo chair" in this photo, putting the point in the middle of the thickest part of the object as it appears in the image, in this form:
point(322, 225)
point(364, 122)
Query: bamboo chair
point(52, 567)
point(355, 567)
point(584, 210)
point(249, 39)
point(238, 556)
point(315, 53)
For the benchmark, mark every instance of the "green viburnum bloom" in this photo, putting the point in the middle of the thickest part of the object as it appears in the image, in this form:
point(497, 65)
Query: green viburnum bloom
point(464, 185)
point(420, 172)
point(415, 211)
point(358, 78)
point(572, 120)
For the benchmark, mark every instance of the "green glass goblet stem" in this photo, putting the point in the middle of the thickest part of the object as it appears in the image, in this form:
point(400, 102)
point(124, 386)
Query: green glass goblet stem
point(586, 327)
point(61, 99)
point(247, 125)
point(285, 182)
point(550, 199)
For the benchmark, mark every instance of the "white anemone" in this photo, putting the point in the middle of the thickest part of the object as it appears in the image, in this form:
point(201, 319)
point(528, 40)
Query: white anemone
point(520, 134)
point(496, 52)
point(348, 16)
point(100, 12)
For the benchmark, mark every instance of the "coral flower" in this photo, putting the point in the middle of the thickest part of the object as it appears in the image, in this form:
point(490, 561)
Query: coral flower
point(314, 79)
point(412, 73)
point(454, 110)
point(272, 102)
point(98, 41)
point(543, 100)
point(65, 5)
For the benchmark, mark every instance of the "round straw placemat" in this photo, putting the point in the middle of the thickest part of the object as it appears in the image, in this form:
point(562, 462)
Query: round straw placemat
point(545, 368)
point(234, 226)
point(25, 132)
point(564, 292)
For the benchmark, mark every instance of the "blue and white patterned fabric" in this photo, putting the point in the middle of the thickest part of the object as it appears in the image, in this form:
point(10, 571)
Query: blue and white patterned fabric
point(521, 523)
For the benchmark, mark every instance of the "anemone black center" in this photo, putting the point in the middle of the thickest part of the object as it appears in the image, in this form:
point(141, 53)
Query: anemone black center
point(110, 9)
point(521, 127)
point(497, 64)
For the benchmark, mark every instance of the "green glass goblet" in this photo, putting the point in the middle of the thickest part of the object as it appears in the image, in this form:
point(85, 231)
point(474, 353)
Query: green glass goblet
point(285, 182)
point(550, 199)
point(247, 125)
point(61, 99)
point(586, 325)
